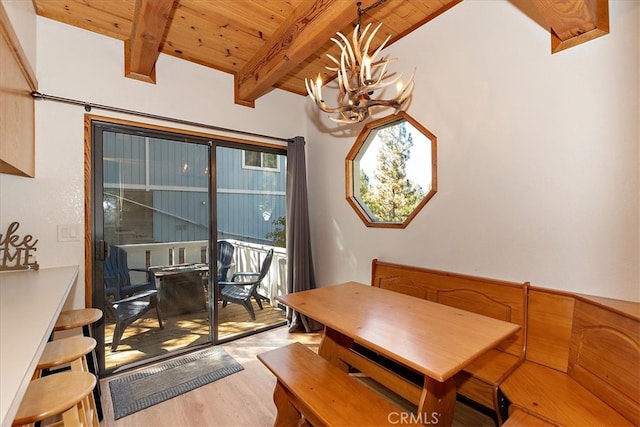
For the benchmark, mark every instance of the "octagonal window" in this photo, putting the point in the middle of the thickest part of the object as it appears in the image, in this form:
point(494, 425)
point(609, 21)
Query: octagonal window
point(391, 171)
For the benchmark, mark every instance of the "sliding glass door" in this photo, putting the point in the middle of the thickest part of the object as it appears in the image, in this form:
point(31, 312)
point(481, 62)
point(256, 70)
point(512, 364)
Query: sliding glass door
point(251, 209)
point(153, 234)
point(188, 238)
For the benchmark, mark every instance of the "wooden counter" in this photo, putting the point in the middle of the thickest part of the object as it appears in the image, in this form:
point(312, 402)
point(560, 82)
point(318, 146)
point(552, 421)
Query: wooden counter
point(30, 302)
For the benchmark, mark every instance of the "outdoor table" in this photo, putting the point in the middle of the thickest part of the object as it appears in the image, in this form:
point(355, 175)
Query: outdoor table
point(181, 288)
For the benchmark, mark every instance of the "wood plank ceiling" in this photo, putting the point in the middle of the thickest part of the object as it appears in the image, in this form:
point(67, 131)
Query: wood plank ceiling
point(269, 44)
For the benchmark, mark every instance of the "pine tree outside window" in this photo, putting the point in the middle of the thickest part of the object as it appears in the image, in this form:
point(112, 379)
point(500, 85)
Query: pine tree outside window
point(391, 171)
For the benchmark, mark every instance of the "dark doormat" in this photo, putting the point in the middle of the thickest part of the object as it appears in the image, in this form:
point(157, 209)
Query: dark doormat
point(140, 390)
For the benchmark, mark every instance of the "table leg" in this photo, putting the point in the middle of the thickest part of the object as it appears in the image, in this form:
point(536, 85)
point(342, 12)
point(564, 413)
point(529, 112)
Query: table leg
point(287, 414)
point(438, 401)
point(332, 341)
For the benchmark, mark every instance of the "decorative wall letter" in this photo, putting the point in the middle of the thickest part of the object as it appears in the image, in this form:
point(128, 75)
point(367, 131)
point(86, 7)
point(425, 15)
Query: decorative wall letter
point(16, 254)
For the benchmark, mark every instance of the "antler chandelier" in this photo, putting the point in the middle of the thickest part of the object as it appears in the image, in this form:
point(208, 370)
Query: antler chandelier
point(359, 75)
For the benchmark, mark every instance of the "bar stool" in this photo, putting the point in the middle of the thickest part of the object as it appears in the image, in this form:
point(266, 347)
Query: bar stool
point(83, 318)
point(72, 351)
point(78, 318)
point(59, 394)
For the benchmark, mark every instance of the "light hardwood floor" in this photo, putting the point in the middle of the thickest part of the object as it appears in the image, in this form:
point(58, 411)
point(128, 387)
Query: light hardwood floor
point(241, 399)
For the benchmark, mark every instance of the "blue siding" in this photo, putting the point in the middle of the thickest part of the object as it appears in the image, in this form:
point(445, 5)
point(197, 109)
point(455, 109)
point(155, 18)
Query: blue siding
point(123, 158)
point(178, 164)
point(231, 175)
point(247, 196)
point(240, 216)
point(180, 216)
point(248, 200)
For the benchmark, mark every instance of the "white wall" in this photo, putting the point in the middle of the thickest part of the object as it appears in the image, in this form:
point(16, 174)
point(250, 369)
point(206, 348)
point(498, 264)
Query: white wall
point(538, 157)
point(74, 63)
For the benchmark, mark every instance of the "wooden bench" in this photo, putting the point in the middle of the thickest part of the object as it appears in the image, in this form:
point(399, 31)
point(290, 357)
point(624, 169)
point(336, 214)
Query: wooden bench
point(582, 362)
point(521, 417)
point(494, 298)
point(311, 389)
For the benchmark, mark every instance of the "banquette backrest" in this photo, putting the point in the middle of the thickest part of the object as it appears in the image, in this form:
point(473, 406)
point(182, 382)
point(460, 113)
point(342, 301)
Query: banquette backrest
point(494, 298)
point(596, 341)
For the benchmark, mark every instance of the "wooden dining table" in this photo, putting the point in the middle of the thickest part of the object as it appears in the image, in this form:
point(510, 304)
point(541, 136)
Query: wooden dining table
point(412, 346)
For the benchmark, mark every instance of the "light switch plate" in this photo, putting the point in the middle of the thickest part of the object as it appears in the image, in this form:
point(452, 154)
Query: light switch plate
point(68, 232)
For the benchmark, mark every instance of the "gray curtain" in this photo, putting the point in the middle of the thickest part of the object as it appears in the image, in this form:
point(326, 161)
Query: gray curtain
point(300, 275)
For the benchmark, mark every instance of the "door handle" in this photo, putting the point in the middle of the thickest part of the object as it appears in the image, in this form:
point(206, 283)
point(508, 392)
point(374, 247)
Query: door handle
point(102, 250)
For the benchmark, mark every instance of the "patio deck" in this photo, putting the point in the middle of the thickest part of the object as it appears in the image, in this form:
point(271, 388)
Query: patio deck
point(143, 338)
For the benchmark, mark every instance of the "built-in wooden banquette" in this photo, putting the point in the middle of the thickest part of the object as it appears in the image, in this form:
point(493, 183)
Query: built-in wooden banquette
point(582, 364)
point(576, 360)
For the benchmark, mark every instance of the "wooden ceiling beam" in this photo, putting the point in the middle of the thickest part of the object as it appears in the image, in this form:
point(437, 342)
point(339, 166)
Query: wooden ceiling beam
point(573, 22)
point(150, 21)
point(305, 31)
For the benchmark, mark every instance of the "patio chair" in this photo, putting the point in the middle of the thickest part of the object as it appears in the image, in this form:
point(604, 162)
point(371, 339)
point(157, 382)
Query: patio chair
point(117, 276)
point(126, 311)
point(241, 292)
point(225, 259)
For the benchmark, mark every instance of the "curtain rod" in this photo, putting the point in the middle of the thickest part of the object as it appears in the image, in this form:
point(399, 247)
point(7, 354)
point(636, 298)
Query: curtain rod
point(88, 106)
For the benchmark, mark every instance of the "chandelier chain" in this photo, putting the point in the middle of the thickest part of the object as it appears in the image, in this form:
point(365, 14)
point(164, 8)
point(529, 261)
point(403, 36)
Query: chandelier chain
point(365, 10)
point(360, 71)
